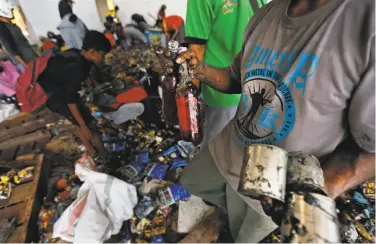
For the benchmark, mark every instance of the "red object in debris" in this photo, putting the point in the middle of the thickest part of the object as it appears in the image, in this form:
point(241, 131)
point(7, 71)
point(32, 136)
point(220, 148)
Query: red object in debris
point(190, 112)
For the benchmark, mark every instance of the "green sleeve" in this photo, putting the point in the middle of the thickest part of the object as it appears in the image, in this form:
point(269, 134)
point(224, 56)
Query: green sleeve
point(199, 19)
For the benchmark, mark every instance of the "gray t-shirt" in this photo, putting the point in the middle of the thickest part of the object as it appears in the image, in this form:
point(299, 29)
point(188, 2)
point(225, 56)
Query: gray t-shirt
point(306, 83)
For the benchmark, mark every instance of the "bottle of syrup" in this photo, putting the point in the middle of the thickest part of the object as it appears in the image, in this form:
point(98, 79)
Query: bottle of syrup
point(169, 84)
point(190, 109)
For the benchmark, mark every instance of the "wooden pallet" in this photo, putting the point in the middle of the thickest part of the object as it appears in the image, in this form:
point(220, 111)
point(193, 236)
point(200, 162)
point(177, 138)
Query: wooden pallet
point(25, 133)
point(25, 202)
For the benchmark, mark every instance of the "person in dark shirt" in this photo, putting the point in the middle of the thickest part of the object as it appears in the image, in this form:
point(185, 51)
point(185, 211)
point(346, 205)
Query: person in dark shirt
point(15, 43)
point(62, 80)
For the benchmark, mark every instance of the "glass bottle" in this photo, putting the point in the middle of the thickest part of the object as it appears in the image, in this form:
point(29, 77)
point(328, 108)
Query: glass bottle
point(190, 110)
point(169, 83)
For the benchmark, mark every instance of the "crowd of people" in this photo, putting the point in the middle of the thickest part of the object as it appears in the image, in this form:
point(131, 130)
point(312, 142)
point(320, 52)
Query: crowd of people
point(298, 74)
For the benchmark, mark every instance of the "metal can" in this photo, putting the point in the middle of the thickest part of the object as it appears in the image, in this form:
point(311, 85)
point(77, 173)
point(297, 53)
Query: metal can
point(310, 218)
point(304, 173)
point(264, 172)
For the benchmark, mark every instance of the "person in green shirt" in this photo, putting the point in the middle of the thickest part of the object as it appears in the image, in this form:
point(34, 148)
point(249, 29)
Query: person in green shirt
point(214, 29)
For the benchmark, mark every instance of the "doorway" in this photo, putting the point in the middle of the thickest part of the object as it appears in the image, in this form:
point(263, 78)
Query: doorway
point(103, 6)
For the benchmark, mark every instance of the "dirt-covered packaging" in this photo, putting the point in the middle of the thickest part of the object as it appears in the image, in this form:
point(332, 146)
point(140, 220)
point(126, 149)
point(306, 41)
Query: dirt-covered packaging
point(190, 109)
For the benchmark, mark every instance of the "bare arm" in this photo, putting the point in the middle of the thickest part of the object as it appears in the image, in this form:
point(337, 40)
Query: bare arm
point(76, 114)
point(176, 32)
point(347, 168)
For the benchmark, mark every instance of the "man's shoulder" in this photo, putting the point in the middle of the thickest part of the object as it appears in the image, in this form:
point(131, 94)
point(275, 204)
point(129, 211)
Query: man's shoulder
point(64, 63)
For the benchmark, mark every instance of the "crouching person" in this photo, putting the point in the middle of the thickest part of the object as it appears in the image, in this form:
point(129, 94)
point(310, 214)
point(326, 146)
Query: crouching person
point(54, 82)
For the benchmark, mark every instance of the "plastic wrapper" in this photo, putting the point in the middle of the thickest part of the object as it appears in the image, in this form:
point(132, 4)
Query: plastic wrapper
point(156, 171)
point(178, 162)
point(143, 225)
point(24, 175)
point(172, 194)
point(157, 239)
point(130, 171)
point(5, 190)
point(173, 174)
point(158, 224)
point(143, 157)
point(369, 190)
point(144, 207)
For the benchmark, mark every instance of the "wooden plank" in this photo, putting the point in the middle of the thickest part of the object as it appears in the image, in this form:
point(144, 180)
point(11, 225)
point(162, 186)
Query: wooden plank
point(26, 157)
point(8, 154)
point(15, 120)
point(28, 126)
point(16, 211)
point(28, 231)
point(18, 235)
point(35, 136)
point(24, 144)
point(17, 165)
point(20, 193)
point(39, 191)
point(25, 191)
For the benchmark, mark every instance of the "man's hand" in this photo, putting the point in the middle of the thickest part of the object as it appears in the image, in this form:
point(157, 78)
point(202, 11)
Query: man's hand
point(219, 79)
point(347, 167)
point(197, 67)
point(200, 51)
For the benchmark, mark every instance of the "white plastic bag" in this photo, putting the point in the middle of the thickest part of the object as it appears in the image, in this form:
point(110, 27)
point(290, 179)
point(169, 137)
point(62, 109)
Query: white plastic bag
point(102, 205)
point(7, 111)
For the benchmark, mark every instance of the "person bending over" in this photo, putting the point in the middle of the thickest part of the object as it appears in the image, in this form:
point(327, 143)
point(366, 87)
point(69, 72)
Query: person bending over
point(62, 80)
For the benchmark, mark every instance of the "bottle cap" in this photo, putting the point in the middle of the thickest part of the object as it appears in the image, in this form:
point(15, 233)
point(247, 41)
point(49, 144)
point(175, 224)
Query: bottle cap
point(173, 46)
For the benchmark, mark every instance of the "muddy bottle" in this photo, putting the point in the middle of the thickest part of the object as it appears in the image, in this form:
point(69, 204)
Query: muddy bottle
point(190, 110)
point(169, 84)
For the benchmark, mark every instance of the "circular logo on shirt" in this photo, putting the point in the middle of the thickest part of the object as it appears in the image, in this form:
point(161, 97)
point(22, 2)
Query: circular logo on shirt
point(266, 113)
point(228, 6)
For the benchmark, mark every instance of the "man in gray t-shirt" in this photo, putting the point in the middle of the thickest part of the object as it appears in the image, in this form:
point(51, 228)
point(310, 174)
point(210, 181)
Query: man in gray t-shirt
point(307, 77)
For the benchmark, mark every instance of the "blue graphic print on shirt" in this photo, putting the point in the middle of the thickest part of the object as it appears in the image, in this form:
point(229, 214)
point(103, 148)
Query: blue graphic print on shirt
point(266, 112)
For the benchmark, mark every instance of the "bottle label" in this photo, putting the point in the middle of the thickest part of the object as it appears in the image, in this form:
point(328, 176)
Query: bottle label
point(183, 113)
point(193, 112)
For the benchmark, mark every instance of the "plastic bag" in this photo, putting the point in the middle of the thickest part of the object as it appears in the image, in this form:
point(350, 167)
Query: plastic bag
point(102, 205)
point(7, 111)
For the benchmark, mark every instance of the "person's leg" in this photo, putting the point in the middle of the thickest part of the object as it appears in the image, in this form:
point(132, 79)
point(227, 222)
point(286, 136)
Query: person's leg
point(246, 225)
point(202, 178)
point(125, 112)
point(216, 119)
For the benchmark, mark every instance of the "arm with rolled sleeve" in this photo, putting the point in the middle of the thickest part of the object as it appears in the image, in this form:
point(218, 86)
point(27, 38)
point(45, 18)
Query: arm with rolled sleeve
point(353, 162)
point(200, 17)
